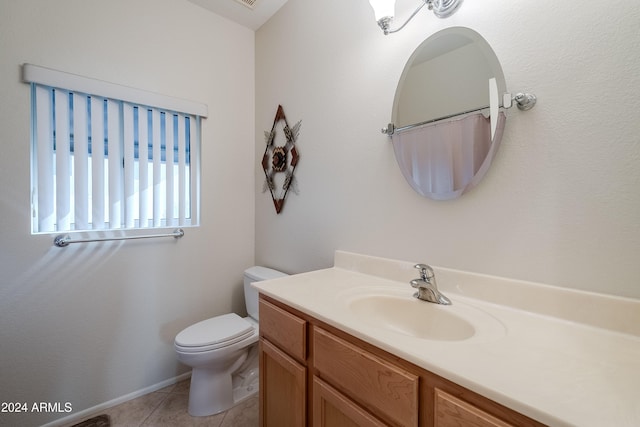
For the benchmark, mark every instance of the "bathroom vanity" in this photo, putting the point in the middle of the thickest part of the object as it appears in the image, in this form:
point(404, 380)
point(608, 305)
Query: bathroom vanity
point(349, 345)
point(347, 381)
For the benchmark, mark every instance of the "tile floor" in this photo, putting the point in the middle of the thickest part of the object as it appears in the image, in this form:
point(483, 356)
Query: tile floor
point(168, 407)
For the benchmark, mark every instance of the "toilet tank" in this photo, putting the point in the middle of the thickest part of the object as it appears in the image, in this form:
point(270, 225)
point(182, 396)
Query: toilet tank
point(256, 274)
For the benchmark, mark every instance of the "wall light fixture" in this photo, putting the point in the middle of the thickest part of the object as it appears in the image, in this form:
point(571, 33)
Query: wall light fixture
point(384, 11)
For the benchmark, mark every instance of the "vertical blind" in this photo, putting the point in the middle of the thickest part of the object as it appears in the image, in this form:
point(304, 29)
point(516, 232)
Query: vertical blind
point(100, 162)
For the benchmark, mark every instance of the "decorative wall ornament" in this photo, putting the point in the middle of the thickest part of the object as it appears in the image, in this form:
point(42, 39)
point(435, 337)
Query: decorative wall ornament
point(280, 159)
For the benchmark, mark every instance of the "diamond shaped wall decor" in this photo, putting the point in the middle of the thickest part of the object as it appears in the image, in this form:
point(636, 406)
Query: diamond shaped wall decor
point(280, 159)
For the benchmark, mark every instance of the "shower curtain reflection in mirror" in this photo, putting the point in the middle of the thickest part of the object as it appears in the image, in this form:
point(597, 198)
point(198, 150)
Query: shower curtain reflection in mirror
point(441, 160)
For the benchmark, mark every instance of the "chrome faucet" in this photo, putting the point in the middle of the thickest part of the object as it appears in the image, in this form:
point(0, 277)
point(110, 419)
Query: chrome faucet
point(427, 288)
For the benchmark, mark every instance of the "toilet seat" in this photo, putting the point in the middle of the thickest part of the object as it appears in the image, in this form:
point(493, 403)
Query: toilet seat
point(217, 332)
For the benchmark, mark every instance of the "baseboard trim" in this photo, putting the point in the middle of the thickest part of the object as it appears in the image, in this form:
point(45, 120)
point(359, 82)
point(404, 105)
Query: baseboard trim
point(79, 416)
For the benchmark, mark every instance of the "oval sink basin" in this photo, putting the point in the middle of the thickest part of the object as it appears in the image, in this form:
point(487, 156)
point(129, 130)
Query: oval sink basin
point(397, 311)
point(413, 317)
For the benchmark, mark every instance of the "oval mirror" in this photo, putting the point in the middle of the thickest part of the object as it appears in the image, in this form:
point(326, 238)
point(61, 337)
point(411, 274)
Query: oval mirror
point(443, 136)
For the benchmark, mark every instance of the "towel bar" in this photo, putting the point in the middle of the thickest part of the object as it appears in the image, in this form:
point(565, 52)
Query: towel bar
point(65, 240)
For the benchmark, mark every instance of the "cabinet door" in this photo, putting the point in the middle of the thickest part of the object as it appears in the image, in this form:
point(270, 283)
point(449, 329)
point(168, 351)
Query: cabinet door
point(333, 409)
point(283, 394)
point(286, 330)
point(384, 389)
point(453, 412)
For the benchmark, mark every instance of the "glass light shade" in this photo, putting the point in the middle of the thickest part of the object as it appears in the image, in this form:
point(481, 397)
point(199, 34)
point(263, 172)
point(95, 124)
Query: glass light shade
point(383, 8)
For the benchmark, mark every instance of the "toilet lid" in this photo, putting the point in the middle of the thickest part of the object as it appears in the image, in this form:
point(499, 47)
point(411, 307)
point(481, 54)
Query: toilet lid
point(217, 330)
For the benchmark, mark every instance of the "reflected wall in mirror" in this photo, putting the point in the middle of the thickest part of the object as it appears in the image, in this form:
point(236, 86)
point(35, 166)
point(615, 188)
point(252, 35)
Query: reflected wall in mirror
point(441, 124)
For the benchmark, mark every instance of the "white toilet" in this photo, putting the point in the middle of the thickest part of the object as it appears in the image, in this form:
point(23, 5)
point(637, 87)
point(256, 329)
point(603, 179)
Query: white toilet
point(223, 352)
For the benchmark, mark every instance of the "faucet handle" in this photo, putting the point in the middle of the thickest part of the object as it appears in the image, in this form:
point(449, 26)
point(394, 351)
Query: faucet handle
point(426, 272)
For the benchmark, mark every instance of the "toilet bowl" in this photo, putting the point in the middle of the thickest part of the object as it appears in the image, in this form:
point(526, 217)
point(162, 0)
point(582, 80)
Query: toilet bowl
point(223, 353)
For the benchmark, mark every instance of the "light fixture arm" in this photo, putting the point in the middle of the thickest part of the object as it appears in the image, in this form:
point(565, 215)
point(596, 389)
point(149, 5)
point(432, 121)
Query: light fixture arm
point(385, 22)
point(441, 8)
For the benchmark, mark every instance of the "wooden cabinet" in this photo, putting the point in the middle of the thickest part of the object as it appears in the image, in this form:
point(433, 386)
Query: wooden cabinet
point(286, 330)
point(331, 408)
point(283, 388)
point(283, 371)
point(389, 392)
point(453, 412)
point(447, 404)
point(312, 374)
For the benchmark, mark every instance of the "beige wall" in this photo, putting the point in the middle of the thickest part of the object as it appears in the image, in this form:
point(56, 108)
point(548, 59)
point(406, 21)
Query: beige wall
point(561, 203)
point(90, 323)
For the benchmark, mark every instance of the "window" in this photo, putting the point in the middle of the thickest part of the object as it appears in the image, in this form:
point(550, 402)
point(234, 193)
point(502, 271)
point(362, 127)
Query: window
point(106, 156)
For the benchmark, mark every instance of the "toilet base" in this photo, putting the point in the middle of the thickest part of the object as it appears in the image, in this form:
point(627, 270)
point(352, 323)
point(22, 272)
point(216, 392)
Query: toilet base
point(212, 392)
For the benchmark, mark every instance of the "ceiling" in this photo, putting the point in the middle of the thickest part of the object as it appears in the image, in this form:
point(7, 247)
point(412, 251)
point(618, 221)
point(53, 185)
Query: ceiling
point(236, 10)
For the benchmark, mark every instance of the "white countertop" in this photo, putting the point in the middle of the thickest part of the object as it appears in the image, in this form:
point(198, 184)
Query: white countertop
point(562, 357)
